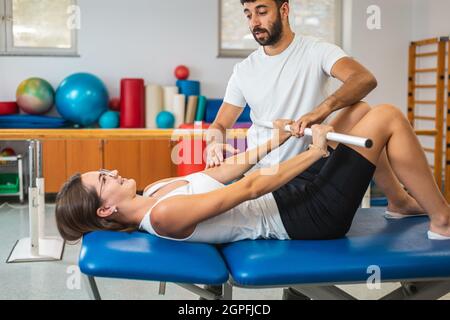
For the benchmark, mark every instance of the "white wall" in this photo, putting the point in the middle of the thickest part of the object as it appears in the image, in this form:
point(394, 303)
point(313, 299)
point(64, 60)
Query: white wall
point(385, 51)
point(137, 38)
point(142, 38)
point(430, 19)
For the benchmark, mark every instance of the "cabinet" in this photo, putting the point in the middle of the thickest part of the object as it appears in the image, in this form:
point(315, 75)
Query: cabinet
point(145, 161)
point(156, 161)
point(54, 165)
point(83, 156)
point(124, 156)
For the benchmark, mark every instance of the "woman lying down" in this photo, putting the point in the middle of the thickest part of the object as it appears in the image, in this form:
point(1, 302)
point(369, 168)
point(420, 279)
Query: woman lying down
point(314, 195)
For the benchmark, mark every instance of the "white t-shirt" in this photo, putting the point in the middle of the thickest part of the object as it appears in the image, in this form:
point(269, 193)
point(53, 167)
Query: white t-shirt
point(285, 86)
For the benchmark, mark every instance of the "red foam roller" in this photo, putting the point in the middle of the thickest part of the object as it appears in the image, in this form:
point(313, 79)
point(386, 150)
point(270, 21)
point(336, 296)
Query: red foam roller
point(132, 103)
point(191, 152)
point(7, 108)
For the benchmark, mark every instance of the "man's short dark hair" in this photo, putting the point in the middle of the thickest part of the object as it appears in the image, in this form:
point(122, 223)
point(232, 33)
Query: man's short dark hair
point(279, 2)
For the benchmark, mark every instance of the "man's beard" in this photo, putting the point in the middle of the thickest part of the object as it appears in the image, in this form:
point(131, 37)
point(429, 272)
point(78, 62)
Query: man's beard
point(274, 34)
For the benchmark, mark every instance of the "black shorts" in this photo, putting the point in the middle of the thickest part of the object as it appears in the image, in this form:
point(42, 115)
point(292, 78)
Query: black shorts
point(320, 203)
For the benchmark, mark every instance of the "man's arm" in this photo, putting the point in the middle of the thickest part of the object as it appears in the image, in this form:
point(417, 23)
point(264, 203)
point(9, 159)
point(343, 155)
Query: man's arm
point(358, 82)
point(216, 134)
point(226, 118)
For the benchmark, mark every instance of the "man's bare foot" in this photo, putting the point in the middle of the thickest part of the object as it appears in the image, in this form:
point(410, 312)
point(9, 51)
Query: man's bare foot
point(407, 207)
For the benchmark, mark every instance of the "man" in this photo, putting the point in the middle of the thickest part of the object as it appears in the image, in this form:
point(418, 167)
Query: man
point(286, 78)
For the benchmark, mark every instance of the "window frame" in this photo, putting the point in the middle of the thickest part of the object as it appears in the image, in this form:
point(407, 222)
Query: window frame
point(11, 50)
point(244, 53)
point(2, 26)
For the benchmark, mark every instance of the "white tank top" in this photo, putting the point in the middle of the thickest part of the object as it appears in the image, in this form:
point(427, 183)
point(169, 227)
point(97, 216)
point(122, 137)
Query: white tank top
point(252, 219)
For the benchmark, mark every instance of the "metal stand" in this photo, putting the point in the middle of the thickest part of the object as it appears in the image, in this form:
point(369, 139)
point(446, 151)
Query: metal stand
point(36, 247)
point(226, 290)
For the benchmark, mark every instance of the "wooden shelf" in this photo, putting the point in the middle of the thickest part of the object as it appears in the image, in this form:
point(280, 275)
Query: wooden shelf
point(115, 134)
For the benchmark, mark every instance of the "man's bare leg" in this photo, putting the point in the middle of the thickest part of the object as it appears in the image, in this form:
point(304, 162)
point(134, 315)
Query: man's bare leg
point(399, 200)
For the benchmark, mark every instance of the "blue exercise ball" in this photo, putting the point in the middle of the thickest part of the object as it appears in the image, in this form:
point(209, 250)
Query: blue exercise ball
point(82, 98)
point(109, 120)
point(165, 120)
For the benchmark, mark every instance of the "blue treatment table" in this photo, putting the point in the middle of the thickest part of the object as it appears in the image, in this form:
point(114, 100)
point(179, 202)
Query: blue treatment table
point(398, 251)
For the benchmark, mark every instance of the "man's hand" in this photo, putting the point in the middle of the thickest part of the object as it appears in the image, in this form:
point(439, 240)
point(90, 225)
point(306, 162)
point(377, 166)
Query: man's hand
point(317, 116)
point(215, 151)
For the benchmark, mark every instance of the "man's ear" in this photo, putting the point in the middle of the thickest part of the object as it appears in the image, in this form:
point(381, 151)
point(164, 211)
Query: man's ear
point(285, 9)
point(106, 212)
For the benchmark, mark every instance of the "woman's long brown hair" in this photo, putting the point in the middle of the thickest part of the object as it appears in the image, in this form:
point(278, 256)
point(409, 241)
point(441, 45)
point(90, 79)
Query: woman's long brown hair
point(76, 211)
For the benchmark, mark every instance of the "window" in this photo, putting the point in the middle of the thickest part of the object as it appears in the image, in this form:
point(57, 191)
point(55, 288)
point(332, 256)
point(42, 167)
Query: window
point(38, 27)
point(318, 18)
point(2, 27)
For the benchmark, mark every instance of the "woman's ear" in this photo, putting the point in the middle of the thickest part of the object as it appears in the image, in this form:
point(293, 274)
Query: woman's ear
point(106, 212)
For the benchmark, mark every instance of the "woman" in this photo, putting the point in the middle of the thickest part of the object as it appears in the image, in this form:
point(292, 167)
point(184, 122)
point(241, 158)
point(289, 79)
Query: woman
point(312, 196)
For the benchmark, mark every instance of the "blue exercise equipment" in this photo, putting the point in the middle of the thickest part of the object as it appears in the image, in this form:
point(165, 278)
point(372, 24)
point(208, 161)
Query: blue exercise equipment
point(399, 249)
point(189, 87)
point(110, 120)
point(32, 122)
point(165, 120)
point(82, 98)
point(213, 107)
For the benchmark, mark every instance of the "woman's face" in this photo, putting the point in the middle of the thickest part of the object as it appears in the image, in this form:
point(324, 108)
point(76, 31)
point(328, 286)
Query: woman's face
point(110, 186)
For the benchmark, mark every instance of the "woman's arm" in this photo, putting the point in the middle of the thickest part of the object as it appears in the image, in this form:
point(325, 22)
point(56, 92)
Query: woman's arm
point(264, 181)
point(177, 216)
point(234, 167)
point(174, 216)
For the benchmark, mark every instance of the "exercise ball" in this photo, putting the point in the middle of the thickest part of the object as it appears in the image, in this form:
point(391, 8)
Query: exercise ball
point(7, 152)
point(110, 120)
point(35, 96)
point(182, 72)
point(82, 98)
point(114, 104)
point(165, 120)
